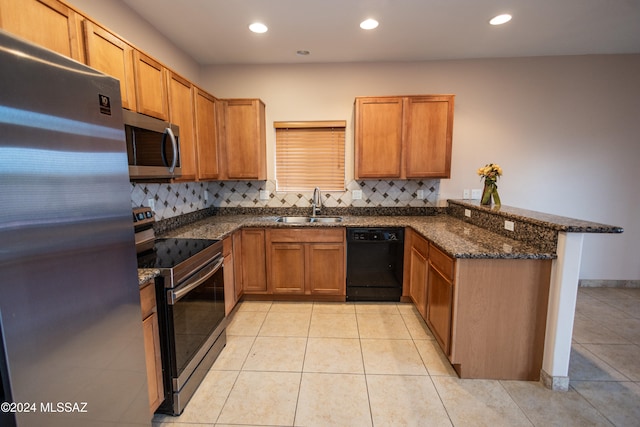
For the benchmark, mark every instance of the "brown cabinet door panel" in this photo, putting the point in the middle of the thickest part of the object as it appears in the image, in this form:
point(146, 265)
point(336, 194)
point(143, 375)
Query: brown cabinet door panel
point(151, 87)
point(378, 137)
point(254, 276)
point(47, 23)
point(113, 56)
point(439, 309)
point(428, 137)
point(206, 135)
point(286, 268)
point(325, 272)
point(181, 113)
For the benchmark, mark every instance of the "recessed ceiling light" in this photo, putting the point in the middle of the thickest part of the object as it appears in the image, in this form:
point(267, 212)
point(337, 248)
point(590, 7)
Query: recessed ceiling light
point(258, 27)
point(369, 24)
point(500, 19)
point(303, 53)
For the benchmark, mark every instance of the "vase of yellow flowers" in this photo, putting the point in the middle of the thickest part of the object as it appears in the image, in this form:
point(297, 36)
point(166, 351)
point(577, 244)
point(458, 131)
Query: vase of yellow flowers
point(490, 173)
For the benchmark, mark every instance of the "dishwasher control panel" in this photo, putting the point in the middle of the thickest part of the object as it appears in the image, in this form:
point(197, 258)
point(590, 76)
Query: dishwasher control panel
point(374, 234)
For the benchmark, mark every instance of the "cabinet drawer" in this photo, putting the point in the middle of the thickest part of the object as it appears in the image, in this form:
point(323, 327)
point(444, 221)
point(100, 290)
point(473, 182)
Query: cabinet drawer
point(441, 261)
point(148, 300)
point(303, 235)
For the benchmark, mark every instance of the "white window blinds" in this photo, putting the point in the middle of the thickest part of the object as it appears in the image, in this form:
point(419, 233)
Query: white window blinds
point(309, 155)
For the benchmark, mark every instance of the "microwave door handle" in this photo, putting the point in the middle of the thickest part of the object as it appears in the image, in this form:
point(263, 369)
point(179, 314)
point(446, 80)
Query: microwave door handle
point(175, 296)
point(174, 146)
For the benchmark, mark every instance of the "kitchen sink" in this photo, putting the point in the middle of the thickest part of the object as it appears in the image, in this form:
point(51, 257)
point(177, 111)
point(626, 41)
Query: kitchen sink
point(307, 219)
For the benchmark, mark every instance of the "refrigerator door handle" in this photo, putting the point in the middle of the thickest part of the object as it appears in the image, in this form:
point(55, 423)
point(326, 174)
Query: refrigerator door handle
point(175, 296)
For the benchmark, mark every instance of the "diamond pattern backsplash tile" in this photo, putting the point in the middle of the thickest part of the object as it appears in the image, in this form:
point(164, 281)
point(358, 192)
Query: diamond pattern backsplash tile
point(387, 193)
point(176, 199)
point(171, 199)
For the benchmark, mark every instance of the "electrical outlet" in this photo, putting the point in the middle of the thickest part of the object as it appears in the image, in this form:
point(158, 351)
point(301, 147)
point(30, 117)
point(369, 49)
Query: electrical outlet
point(466, 194)
point(356, 194)
point(508, 225)
point(476, 193)
point(264, 195)
point(467, 213)
point(420, 194)
point(206, 196)
point(151, 203)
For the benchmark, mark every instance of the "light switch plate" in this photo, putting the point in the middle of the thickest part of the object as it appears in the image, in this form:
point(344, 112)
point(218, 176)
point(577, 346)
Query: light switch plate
point(466, 193)
point(476, 193)
point(420, 194)
point(467, 213)
point(151, 203)
point(356, 194)
point(508, 225)
point(264, 195)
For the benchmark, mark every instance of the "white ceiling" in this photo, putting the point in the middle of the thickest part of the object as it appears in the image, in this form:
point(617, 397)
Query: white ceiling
point(216, 31)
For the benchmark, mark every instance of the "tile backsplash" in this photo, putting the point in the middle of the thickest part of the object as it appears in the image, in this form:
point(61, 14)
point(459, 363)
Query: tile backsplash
point(181, 198)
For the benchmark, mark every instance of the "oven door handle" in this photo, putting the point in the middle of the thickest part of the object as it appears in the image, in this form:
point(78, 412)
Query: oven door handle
point(176, 295)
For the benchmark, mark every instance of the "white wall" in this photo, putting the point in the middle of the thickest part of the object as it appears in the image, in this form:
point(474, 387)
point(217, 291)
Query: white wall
point(566, 130)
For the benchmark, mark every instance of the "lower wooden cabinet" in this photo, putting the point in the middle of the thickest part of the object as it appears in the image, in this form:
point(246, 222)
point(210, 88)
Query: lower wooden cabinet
point(487, 315)
point(229, 276)
point(253, 271)
point(417, 267)
point(151, 335)
point(306, 262)
point(439, 299)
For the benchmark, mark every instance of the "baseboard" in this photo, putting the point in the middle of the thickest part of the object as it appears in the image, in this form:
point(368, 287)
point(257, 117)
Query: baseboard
point(584, 283)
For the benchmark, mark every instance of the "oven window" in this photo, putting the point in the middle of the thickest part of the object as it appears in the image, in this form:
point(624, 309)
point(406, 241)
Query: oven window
point(195, 317)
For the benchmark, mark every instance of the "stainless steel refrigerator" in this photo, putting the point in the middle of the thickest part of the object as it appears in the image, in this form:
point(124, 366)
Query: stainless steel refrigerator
point(72, 350)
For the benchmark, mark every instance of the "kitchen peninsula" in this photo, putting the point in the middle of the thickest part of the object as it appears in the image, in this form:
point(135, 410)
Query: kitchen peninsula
point(529, 274)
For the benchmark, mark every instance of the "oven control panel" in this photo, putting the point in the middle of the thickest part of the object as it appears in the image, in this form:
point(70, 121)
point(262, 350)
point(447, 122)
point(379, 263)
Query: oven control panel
point(143, 216)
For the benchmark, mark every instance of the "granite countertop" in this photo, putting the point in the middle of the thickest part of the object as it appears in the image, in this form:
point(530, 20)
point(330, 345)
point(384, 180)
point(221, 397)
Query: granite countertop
point(457, 238)
point(555, 222)
point(145, 275)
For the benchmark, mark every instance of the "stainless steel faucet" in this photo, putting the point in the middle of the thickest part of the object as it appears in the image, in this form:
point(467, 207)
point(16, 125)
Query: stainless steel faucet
point(316, 203)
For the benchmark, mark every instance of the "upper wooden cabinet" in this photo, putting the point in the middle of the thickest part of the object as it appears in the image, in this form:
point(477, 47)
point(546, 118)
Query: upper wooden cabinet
point(108, 53)
point(206, 126)
point(403, 136)
point(151, 86)
point(244, 139)
point(47, 23)
point(181, 112)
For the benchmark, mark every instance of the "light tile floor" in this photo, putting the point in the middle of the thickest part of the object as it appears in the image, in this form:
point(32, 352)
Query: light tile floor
point(333, 364)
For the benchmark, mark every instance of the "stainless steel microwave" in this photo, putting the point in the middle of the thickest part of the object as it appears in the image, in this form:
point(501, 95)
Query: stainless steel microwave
point(153, 147)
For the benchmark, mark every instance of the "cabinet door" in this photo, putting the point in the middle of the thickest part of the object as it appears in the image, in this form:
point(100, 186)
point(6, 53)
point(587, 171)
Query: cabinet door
point(151, 336)
point(47, 23)
point(206, 135)
point(418, 276)
point(151, 87)
point(439, 307)
point(181, 113)
point(111, 55)
point(237, 263)
point(245, 139)
point(254, 276)
point(428, 133)
point(286, 268)
point(326, 269)
point(378, 142)
point(229, 288)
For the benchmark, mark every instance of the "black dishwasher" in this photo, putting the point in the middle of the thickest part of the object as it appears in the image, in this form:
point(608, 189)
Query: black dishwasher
point(374, 264)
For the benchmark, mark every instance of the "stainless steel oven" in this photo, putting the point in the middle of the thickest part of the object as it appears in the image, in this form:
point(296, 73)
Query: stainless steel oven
point(191, 314)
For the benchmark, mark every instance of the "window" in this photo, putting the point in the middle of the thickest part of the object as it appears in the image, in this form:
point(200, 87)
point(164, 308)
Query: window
point(309, 155)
